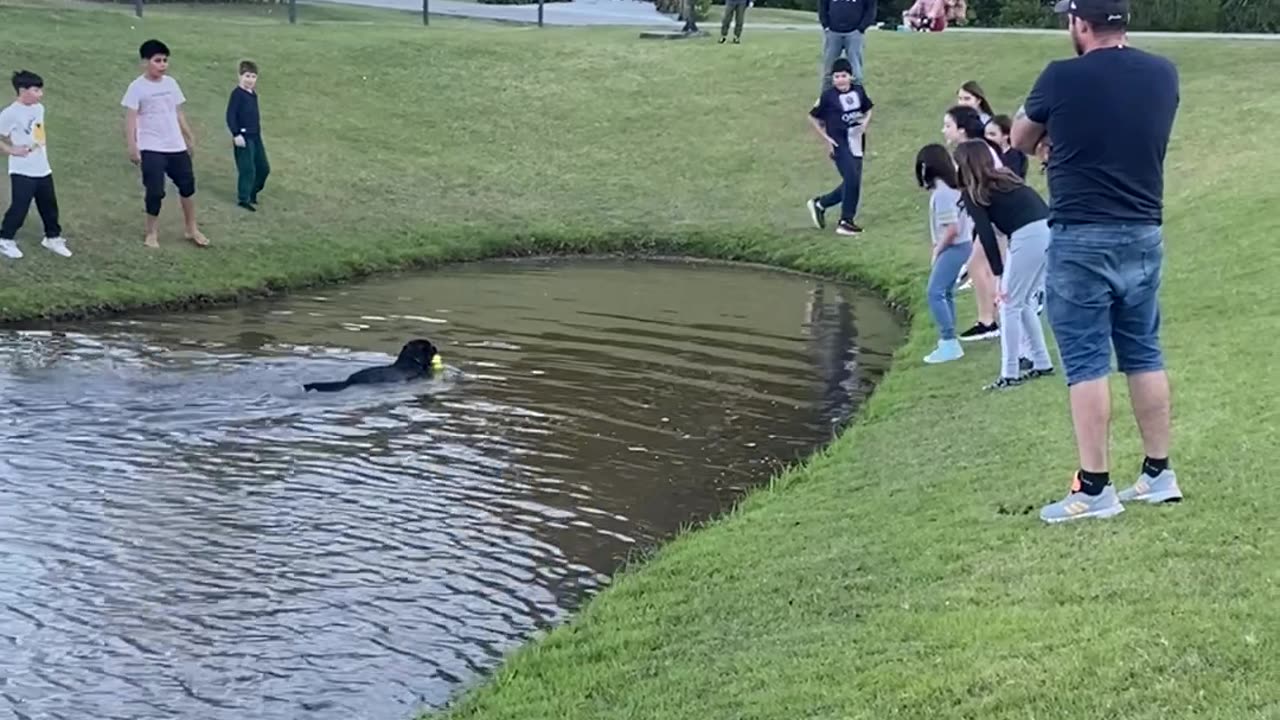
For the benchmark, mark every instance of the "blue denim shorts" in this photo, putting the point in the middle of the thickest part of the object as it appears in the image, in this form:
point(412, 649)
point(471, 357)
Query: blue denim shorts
point(1101, 291)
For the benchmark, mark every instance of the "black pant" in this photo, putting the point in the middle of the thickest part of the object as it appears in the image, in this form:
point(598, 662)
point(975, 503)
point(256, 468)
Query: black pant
point(735, 10)
point(849, 191)
point(252, 169)
point(24, 189)
point(155, 165)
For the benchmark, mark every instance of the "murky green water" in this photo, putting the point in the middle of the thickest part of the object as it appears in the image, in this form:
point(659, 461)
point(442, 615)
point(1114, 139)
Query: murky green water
point(187, 534)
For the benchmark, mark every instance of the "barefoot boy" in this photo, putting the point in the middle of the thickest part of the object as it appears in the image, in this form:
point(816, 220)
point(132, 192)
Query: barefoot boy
point(22, 138)
point(160, 140)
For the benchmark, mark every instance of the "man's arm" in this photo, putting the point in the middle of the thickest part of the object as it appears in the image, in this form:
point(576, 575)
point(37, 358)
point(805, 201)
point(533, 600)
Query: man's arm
point(1026, 133)
point(824, 13)
point(1030, 120)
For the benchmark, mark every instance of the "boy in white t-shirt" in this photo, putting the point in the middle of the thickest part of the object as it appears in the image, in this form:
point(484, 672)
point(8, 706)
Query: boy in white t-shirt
point(160, 140)
point(22, 138)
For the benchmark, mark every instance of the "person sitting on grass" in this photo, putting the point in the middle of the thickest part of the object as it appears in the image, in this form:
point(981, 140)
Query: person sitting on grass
point(840, 117)
point(936, 173)
point(926, 16)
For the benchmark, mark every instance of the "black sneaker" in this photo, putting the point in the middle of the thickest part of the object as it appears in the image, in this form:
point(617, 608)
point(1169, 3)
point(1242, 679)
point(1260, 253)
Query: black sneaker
point(1004, 383)
point(722, 39)
point(817, 213)
point(1035, 373)
point(737, 41)
point(1025, 364)
point(247, 206)
point(981, 331)
point(847, 228)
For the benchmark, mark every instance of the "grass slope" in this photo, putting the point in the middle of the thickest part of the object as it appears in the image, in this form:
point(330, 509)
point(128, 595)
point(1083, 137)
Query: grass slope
point(901, 573)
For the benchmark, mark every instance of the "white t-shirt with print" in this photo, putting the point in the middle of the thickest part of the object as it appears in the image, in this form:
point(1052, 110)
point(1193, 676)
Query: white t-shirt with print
point(23, 126)
point(157, 103)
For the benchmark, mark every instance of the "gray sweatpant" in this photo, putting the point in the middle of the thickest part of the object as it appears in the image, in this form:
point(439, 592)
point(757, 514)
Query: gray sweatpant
point(1023, 276)
point(735, 10)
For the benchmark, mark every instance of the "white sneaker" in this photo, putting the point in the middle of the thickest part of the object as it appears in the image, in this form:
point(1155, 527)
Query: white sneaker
point(56, 245)
point(9, 249)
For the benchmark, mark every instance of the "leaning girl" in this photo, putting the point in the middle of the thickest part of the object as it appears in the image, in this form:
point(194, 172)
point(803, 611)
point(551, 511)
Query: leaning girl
point(998, 200)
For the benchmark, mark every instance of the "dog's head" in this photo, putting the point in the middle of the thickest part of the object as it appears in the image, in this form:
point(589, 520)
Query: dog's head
point(420, 354)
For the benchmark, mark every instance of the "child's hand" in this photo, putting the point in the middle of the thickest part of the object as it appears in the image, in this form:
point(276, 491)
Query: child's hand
point(19, 151)
point(238, 140)
point(135, 157)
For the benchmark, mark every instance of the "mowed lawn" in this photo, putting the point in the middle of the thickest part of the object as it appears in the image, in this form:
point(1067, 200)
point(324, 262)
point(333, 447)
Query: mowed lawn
point(901, 573)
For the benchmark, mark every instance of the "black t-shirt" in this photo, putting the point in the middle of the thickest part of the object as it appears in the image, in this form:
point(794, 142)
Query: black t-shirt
point(844, 115)
point(1016, 160)
point(1008, 212)
point(1109, 114)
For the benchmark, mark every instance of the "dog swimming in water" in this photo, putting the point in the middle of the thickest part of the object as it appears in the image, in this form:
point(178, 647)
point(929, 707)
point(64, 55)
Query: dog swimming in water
point(418, 359)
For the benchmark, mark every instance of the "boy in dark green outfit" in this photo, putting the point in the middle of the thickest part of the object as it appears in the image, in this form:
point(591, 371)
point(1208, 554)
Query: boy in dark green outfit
point(246, 134)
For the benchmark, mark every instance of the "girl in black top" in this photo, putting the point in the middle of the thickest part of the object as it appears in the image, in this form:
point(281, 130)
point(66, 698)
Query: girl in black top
point(997, 199)
point(998, 132)
point(961, 123)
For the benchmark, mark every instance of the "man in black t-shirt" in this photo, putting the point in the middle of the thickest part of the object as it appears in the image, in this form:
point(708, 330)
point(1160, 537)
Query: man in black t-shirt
point(1108, 114)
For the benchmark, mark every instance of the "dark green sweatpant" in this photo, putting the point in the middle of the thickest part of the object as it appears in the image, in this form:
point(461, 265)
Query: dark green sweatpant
point(252, 169)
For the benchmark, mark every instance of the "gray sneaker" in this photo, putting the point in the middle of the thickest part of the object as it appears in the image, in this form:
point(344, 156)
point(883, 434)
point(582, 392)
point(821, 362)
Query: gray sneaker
point(1158, 489)
point(1078, 506)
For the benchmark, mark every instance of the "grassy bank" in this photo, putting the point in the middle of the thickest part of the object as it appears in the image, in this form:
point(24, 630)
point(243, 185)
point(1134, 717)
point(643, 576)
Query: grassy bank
point(900, 574)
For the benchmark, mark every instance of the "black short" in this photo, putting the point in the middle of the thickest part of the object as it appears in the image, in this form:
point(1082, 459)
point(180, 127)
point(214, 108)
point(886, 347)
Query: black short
point(177, 165)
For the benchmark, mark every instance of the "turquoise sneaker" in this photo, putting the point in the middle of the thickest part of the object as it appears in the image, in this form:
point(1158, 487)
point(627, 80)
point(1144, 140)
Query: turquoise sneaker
point(946, 351)
point(1079, 506)
point(1159, 489)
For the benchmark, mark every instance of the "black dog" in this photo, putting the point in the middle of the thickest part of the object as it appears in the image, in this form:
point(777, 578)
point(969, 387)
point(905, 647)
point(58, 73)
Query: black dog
point(418, 359)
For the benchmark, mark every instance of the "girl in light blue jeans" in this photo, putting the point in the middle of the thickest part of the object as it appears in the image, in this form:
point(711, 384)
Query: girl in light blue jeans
point(952, 245)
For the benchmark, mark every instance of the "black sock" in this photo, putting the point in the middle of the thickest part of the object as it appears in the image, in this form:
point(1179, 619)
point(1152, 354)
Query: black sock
point(1092, 483)
point(1153, 467)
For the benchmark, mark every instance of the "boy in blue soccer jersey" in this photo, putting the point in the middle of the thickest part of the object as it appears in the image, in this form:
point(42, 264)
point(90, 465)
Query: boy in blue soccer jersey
point(840, 117)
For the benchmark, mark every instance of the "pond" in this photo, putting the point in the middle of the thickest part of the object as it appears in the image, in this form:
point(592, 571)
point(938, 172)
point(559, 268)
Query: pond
point(186, 533)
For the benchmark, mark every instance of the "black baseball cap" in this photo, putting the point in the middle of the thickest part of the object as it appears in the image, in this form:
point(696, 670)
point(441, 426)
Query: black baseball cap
point(1103, 11)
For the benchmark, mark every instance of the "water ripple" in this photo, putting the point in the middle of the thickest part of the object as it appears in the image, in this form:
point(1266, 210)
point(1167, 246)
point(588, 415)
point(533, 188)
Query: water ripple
point(187, 534)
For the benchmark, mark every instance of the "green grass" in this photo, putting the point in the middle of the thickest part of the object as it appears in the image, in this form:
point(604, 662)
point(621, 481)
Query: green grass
point(900, 573)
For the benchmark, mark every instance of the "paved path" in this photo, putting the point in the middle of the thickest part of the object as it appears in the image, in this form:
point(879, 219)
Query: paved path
point(637, 13)
point(579, 12)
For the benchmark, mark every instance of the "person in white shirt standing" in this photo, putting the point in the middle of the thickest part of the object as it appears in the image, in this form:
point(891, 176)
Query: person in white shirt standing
point(160, 140)
point(22, 138)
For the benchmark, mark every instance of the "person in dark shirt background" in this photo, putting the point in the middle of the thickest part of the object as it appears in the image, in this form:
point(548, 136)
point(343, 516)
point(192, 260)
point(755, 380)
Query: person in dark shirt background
point(840, 118)
point(997, 131)
point(245, 125)
point(1108, 113)
point(844, 29)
